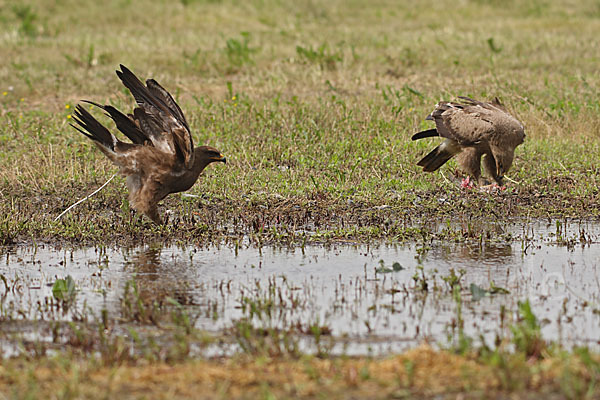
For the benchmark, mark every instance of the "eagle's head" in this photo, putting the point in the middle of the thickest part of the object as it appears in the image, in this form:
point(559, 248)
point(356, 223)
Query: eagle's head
point(504, 160)
point(504, 152)
point(207, 155)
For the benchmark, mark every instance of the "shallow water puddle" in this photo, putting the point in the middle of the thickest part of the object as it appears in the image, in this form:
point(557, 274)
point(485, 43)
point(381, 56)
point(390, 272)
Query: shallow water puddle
point(372, 299)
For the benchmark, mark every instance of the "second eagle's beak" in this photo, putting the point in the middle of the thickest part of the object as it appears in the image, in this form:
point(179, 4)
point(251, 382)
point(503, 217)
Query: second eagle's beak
point(223, 159)
point(499, 171)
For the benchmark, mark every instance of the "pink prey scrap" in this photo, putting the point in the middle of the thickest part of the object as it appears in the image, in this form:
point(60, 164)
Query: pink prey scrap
point(467, 183)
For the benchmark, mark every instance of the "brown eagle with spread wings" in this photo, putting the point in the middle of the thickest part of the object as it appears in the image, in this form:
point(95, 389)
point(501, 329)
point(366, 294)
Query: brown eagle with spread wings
point(473, 129)
point(161, 158)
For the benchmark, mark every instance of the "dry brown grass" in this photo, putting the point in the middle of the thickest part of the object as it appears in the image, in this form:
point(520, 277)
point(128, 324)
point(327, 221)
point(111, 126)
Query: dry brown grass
point(418, 373)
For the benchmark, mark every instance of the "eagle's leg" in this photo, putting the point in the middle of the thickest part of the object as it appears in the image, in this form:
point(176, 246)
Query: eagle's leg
point(489, 164)
point(469, 161)
point(152, 213)
point(149, 208)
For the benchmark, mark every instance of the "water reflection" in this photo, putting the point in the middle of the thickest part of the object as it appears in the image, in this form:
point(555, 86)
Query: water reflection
point(355, 291)
point(482, 253)
point(156, 280)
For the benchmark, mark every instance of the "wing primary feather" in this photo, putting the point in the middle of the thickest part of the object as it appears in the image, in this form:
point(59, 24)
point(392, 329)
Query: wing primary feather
point(160, 92)
point(82, 131)
point(139, 91)
point(127, 126)
point(161, 114)
point(472, 101)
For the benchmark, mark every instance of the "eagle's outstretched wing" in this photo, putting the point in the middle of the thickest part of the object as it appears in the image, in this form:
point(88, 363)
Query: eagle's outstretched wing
point(159, 117)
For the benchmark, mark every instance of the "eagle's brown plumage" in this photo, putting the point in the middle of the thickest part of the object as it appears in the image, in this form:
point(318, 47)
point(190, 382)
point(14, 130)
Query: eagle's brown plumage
point(161, 158)
point(473, 129)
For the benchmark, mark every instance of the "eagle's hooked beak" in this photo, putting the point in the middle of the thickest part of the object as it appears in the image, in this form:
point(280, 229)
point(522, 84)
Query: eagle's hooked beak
point(499, 170)
point(222, 159)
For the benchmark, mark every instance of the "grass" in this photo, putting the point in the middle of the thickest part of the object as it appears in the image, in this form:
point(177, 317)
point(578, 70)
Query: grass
point(311, 107)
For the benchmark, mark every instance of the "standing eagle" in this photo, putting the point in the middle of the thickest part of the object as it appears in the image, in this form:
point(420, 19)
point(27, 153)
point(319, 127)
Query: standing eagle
point(161, 158)
point(473, 129)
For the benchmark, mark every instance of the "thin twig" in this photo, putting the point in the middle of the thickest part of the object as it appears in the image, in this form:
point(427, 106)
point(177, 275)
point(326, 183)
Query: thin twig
point(511, 180)
point(85, 198)
point(444, 176)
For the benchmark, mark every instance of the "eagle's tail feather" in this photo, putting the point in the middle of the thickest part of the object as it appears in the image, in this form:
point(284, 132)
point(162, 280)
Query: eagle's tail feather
point(425, 134)
point(124, 123)
point(439, 156)
point(90, 127)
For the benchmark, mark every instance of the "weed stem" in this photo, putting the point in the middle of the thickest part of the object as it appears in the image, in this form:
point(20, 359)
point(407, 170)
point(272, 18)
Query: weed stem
point(85, 198)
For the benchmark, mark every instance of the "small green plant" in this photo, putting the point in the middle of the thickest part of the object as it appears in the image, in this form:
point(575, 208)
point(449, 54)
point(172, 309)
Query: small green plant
point(64, 290)
point(497, 289)
point(420, 279)
point(27, 16)
point(453, 279)
point(137, 308)
point(10, 228)
point(493, 46)
point(180, 316)
point(238, 51)
point(88, 59)
point(318, 332)
point(322, 55)
point(463, 343)
point(527, 335)
point(265, 341)
point(382, 269)
point(400, 100)
point(477, 292)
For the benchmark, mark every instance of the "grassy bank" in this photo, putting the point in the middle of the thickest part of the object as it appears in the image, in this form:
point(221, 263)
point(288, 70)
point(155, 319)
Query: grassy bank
point(420, 373)
point(313, 104)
